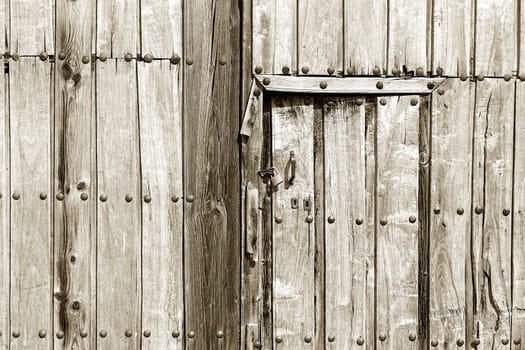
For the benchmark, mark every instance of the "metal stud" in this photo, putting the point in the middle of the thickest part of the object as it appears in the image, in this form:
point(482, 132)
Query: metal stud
point(475, 343)
point(222, 61)
point(103, 333)
point(350, 71)
point(308, 101)
point(191, 334)
point(379, 85)
point(359, 101)
point(266, 81)
point(258, 69)
point(414, 101)
point(463, 77)
point(504, 341)
point(128, 198)
point(383, 222)
point(43, 55)
point(72, 259)
point(147, 333)
point(305, 70)
point(382, 337)
point(278, 339)
point(85, 59)
point(331, 219)
point(437, 210)
point(286, 70)
point(16, 196)
point(62, 56)
point(16, 334)
point(439, 71)
point(84, 196)
point(15, 56)
point(128, 333)
point(481, 77)
point(396, 72)
point(190, 198)
point(517, 341)
point(103, 57)
point(75, 305)
point(383, 101)
point(220, 334)
point(257, 345)
point(506, 212)
point(60, 335)
point(412, 219)
point(174, 199)
point(522, 76)
point(175, 59)
point(309, 219)
point(175, 334)
point(412, 337)
point(323, 85)
point(257, 93)
point(147, 198)
point(460, 342)
point(83, 333)
point(434, 343)
point(376, 71)
point(430, 85)
point(478, 209)
point(360, 341)
point(460, 211)
point(103, 197)
point(359, 221)
point(419, 72)
point(507, 77)
point(43, 196)
point(42, 334)
point(189, 61)
point(307, 339)
point(330, 70)
point(148, 58)
point(441, 91)
point(128, 57)
point(331, 338)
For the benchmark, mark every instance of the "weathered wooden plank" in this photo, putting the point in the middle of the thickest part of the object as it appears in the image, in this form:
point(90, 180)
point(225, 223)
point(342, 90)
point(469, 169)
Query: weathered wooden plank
point(293, 229)
point(320, 19)
point(274, 36)
point(452, 111)
point(407, 36)
point(4, 27)
point(452, 37)
point(74, 211)
point(4, 212)
point(362, 86)
point(118, 209)
point(365, 36)
point(211, 173)
point(491, 230)
point(161, 27)
point(31, 88)
point(518, 237)
point(117, 28)
point(496, 37)
point(161, 168)
point(397, 230)
point(75, 32)
point(346, 242)
point(32, 27)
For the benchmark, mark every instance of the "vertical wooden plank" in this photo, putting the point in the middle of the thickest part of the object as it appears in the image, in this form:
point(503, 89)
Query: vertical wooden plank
point(75, 187)
point(117, 26)
point(119, 207)
point(348, 249)
point(161, 168)
point(274, 36)
point(452, 34)
point(211, 173)
point(452, 111)
point(75, 33)
point(518, 237)
point(491, 231)
point(365, 36)
point(161, 27)
point(496, 37)
point(4, 211)
point(32, 27)
point(407, 36)
point(4, 27)
point(31, 205)
point(320, 37)
point(397, 231)
point(293, 229)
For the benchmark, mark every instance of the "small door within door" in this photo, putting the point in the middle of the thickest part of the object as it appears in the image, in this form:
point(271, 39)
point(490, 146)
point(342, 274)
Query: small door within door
point(349, 230)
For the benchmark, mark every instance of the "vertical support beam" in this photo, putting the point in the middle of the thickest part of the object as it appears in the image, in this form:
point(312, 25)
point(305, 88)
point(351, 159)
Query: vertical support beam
point(31, 91)
point(161, 27)
point(397, 231)
point(118, 26)
point(32, 26)
point(491, 230)
point(294, 226)
point(161, 169)
point(320, 37)
point(211, 173)
point(119, 207)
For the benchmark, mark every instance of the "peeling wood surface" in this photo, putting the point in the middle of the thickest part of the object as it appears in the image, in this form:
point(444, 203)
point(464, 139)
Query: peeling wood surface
point(32, 27)
point(119, 217)
point(320, 19)
point(31, 223)
point(160, 125)
point(294, 237)
point(161, 27)
point(397, 237)
point(491, 230)
point(4, 211)
point(117, 28)
point(274, 35)
point(452, 113)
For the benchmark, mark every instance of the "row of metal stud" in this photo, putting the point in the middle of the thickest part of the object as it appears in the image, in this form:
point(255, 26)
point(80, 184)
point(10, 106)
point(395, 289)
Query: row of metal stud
point(103, 333)
point(103, 198)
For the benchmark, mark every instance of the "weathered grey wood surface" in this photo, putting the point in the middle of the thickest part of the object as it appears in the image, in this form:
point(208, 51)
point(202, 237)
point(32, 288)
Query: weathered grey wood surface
point(5, 202)
point(118, 26)
point(31, 27)
point(161, 27)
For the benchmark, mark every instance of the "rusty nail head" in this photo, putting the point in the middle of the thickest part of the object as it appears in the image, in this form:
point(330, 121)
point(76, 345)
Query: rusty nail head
point(481, 77)
point(359, 101)
point(43, 55)
point(383, 222)
point(266, 81)
point(72, 258)
point(439, 71)
point(220, 334)
point(517, 341)
point(382, 337)
point(437, 210)
point(305, 70)
point(60, 196)
point(103, 58)
point(323, 85)
point(441, 91)
point(222, 61)
point(42, 334)
point(61, 56)
point(359, 221)
point(83, 333)
point(258, 69)
point(463, 77)
point(84, 196)
point(257, 93)
point(43, 196)
point(430, 85)
point(147, 198)
point(412, 219)
point(376, 70)
point(307, 339)
point(103, 198)
point(60, 334)
point(330, 70)
point(75, 305)
point(383, 101)
point(360, 341)
point(128, 198)
point(16, 196)
point(331, 219)
point(434, 343)
point(86, 59)
point(331, 338)
point(506, 212)
point(128, 57)
point(506, 77)
point(460, 211)
point(190, 198)
point(414, 101)
point(379, 85)
point(148, 58)
point(396, 71)
point(460, 342)
point(16, 334)
point(189, 61)
point(505, 341)
point(278, 219)
point(128, 333)
point(174, 199)
point(191, 334)
point(286, 70)
point(478, 209)
point(147, 333)
point(175, 59)
point(308, 101)
point(412, 337)
point(175, 334)
point(350, 71)
point(309, 219)
point(419, 72)
point(103, 333)
point(278, 339)
point(16, 56)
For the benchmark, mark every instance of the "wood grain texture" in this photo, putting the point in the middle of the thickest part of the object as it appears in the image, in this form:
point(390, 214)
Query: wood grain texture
point(74, 218)
point(4, 211)
point(397, 237)
point(4, 27)
point(293, 238)
point(274, 35)
point(161, 27)
point(320, 36)
point(496, 37)
point(452, 37)
point(32, 27)
point(75, 30)
point(407, 33)
point(30, 91)
point(349, 258)
point(518, 238)
point(491, 230)
point(117, 28)
point(365, 36)
point(160, 112)
point(452, 114)
point(211, 173)
point(119, 220)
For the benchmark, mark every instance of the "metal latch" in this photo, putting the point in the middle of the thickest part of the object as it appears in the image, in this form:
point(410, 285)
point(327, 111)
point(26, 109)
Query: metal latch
point(271, 175)
point(290, 168)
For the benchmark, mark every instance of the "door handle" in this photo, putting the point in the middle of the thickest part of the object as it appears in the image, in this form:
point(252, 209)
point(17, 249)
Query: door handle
point(290, 168)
